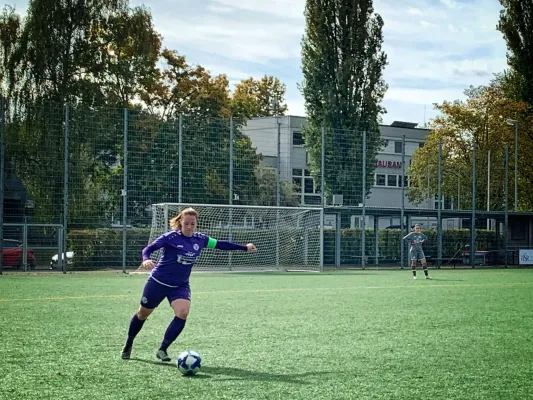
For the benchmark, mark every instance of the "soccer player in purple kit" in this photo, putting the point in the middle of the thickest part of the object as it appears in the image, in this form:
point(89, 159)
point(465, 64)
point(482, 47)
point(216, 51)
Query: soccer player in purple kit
point(170, 277)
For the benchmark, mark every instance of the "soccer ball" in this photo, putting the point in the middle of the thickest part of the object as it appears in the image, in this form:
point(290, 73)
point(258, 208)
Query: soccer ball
point(189, 362)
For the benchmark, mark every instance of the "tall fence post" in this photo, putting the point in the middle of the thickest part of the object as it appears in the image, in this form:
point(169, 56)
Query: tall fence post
point(402, 210)
point(125, 192)
point(363, 231)
point(180, 158)
point(439, 210)
point(506, 202)
point(323, 195)
point(230, 187)
point(278, 191)
point(63, 254)
point(2, 162)
point(473, 225)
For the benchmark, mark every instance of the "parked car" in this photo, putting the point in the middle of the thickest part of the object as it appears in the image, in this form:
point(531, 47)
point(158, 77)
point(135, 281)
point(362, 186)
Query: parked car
point(54, 263)
point(12, 254)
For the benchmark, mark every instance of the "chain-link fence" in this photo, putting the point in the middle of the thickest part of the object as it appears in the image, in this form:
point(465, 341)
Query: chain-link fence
point(82, 180)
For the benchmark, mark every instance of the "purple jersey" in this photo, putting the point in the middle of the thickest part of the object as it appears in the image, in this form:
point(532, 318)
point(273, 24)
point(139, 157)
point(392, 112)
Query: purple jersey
point(179, 254)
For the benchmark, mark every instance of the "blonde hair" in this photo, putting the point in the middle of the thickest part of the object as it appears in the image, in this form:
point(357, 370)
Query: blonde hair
point(175, 223)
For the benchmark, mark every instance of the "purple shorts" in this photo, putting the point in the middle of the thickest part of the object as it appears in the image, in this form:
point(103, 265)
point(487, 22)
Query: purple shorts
point(154, 293)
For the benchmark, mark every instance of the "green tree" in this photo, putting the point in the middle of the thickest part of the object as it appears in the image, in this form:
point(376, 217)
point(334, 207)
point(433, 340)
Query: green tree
point(343, 86)
point(516, 25)
point(482, 117)
point(266, 189)
point(259, 98)
point(10, 30)
point(133, 48)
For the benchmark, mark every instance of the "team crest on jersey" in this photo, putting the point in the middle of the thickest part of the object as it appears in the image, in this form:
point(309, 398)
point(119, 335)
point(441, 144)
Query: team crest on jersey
point(196, 247)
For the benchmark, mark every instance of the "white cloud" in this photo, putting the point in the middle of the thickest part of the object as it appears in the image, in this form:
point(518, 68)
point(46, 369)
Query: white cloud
point(415, 11)
point(427, 24)
point(219, 9)
point(451, 4)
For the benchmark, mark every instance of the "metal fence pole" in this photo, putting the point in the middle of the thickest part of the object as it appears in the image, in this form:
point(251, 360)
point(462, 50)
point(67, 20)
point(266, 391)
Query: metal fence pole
point(323, 195)
point(323, 168)
point(230, 187)
point(506, 202)
point(439, 210)
point(278, 192)
point(473, 224)
point(63, 255)
point(2, 162)
point(402, 210)
point(25, 244)
point(363, 231)
point(125, 191)
point(231, 161)
point(180, 158)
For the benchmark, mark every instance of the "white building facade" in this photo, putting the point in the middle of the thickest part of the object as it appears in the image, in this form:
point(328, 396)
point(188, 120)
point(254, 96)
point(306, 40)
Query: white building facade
point(294, 161)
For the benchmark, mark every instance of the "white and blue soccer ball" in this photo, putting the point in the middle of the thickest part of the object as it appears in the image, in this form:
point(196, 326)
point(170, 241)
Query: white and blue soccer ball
point(189, 362)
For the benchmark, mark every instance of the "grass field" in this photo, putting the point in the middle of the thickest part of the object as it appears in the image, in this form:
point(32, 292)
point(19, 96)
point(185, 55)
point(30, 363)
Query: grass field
point(467, 334)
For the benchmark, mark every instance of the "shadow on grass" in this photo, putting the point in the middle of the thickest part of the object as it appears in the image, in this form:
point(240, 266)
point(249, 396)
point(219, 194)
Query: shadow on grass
point(226, 373)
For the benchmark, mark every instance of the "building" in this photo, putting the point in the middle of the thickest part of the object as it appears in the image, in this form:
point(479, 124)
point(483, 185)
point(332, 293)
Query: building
point(294, 161)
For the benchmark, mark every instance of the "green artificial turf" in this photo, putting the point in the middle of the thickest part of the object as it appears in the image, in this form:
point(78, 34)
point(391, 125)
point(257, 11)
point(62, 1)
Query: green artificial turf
point(467, 334)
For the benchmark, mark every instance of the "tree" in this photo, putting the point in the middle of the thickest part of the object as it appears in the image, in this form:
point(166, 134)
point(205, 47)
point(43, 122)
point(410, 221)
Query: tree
point(266, 189)
point(343, 86)
point(516, 25)
point(10, 30)
point(133, 48)
point(481, 118)
point(259, 98)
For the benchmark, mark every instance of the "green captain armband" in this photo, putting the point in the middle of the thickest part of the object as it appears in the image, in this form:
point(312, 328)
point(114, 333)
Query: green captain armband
point(211, 243)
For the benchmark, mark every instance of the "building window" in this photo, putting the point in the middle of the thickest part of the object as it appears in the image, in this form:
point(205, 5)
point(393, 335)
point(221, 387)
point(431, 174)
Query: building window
point(297, 138)
point(297, 184)
point(380, 180)
point(296, 172)
point(420, 145)
point(392, 180)
point(309, 186)
point(398, 148)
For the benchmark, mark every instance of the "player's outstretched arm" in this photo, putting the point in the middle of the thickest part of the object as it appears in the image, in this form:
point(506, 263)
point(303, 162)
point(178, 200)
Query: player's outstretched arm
point(229, 246)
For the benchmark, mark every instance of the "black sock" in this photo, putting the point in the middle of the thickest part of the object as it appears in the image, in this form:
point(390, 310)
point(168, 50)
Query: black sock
point(425, 270)
point(413, 267)
point(135, 327)
point(172, 333)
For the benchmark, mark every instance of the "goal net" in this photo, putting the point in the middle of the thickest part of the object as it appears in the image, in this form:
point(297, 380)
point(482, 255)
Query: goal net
point(287, 238)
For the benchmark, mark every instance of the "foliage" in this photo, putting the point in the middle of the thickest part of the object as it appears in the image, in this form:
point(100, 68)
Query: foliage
point(258, 98)
point(481, 118)
point(343, 86)
point(516, 25)
point(95, 57)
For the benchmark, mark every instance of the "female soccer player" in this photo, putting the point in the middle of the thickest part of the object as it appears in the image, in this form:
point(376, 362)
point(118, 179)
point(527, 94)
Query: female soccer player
point(416, 252)
point(170, 277)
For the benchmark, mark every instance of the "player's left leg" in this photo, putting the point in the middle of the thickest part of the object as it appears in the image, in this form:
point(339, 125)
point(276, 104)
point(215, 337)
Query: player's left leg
point(425, 267)
point(181, 304)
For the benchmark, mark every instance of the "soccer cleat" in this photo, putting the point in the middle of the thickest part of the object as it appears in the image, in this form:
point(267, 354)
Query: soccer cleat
point(162, 355)
point(414, 277)
point(428, 277)
point(126, 352)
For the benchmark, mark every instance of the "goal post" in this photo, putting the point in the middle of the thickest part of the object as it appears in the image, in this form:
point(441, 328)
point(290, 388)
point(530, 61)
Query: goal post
point(287, 238)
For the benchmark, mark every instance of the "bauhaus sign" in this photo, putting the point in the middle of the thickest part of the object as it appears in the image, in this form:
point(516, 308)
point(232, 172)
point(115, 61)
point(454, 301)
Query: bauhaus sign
point(388, 164)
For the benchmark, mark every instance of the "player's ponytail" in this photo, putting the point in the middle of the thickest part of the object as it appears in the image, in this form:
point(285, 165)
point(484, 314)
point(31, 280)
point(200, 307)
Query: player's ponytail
point(175, 223)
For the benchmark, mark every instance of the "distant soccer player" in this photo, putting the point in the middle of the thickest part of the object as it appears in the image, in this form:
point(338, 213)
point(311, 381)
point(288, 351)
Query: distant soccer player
point(416, 253)
point(170, 277)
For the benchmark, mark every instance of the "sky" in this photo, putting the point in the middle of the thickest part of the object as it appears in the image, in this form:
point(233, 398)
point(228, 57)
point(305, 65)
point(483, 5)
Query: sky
point(435, 48)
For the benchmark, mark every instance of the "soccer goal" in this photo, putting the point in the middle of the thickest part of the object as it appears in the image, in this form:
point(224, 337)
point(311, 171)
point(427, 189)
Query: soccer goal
point(287, 238)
